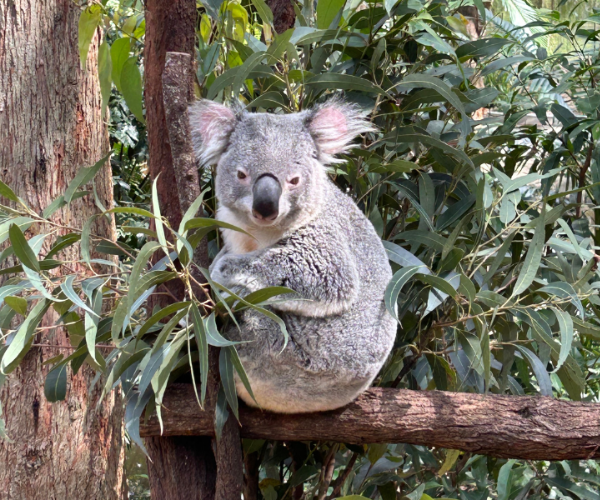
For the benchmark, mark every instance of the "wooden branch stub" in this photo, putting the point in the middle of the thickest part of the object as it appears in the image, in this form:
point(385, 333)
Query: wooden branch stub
point(178, 94)
point(525, 427)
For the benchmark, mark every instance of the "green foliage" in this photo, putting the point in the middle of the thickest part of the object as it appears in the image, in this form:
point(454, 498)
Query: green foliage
point(482, 180)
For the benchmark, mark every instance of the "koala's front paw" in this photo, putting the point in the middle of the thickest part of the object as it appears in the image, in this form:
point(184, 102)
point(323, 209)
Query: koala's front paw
point(230, 270)
point(220, 269)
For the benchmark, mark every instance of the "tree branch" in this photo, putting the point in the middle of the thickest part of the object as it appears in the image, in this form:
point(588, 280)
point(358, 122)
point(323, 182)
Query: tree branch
point(582, 174)
point(526, 427)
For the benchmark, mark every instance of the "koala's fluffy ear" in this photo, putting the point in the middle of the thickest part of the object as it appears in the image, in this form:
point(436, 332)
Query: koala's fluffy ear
point(334, 125)
point(211, 124)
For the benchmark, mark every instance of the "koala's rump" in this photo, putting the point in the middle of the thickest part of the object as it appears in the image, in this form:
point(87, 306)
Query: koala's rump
point(326, 363)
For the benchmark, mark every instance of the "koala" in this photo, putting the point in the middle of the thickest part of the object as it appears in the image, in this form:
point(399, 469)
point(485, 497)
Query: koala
point(271, 181)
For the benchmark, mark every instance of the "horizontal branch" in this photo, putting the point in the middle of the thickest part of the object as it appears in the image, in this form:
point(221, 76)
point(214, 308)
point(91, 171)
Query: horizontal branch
point(526, 427)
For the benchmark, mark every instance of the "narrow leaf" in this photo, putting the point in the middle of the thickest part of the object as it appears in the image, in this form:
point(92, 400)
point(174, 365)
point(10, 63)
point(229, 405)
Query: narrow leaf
point(89, 20)
point(119, 53)
point(8, 193)
point(226, 371)
point(55, 386)
point(104, 74)
point(539, 370)
point(22, 249)
point(239, 368)
point(565, 323)
point(533, 258)
point(395, 286)
point(131, 87)
point(20, 343)
point(160, 230)
point(202, 344)
point(85, 175)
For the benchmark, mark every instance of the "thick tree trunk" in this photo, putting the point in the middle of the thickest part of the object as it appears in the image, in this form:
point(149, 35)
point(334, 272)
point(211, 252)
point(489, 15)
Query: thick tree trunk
point(226, 484)
point(50, 127)
point(182, 468)
point(527, 427)
point(170, 26)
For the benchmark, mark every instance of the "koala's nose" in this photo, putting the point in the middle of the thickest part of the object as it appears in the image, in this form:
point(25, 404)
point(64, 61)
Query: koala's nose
point(265, 197)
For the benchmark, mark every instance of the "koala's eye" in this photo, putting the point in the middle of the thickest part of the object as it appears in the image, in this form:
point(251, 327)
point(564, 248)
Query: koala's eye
point(315, 155)
point(241, 175)
point(295, 181)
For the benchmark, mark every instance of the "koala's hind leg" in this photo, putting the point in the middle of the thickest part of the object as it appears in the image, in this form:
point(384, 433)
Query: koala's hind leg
point(287, 378)
point(271, 365)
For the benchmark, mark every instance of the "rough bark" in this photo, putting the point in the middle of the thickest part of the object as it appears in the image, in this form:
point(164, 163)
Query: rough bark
point(230, 462)
point(526, 427)
point(178, 471)
point(50, 127)
point(178, 91)
point(170, 27)
point(251, 476)
point(177, 95)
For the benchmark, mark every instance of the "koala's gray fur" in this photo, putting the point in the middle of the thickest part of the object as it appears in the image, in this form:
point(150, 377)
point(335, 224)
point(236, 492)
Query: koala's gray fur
point(320, 245)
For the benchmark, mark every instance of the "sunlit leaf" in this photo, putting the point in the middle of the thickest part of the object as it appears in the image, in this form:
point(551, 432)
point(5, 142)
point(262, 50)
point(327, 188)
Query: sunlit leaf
point(565, 324)
point(89, 20)
point(104, 74)
point(160, 231)
point(21, 342)
point(22, 249)
point(327, 11)
point(119, 54)
point(131, 87)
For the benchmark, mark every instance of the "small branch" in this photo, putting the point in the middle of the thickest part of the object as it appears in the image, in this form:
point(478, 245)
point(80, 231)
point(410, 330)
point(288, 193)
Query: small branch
point(339, 482)
point(251, 476)
point(582, 173)
point(177, 97)
point(327, 472)
point(71, 348)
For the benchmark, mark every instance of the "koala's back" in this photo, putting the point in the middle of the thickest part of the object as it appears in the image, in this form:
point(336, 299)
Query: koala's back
point(329, 360)
point(365, 245)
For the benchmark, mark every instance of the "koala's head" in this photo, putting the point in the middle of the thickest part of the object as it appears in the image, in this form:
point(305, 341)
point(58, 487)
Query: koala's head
point(271, 168)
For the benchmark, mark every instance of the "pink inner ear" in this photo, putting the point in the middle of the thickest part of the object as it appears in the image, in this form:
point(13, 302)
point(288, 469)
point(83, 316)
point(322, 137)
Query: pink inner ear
point(211, 117)
point(331, 128)
point(330, 120)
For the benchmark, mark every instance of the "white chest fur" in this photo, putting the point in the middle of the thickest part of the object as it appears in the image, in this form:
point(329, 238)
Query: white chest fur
point(238, 242)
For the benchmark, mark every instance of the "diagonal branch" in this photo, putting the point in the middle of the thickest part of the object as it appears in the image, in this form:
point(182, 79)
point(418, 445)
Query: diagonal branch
point(527, 427)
